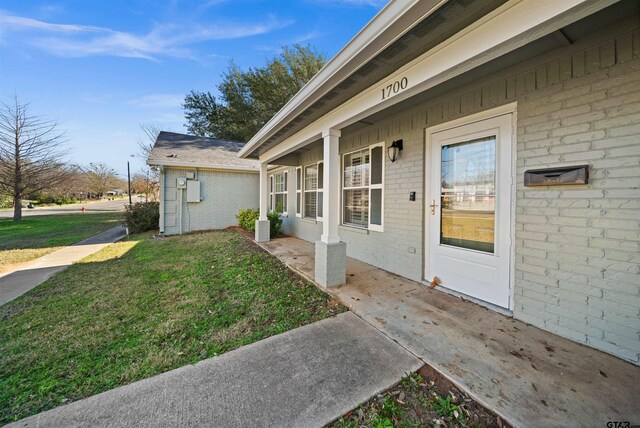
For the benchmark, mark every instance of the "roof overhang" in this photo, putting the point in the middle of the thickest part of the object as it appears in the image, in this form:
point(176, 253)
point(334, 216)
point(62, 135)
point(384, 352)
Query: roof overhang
point(210, 166)
point(507, 28)
point(396, 18)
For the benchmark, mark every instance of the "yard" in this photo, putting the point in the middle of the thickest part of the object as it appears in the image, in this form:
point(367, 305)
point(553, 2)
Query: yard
point(36, 236)
point(141, 307)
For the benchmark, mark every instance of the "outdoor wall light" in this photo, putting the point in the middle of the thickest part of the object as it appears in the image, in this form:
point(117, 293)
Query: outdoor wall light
point(394, 150)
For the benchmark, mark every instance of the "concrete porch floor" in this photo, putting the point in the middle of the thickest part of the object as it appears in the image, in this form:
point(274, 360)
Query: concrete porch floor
point(528, 376)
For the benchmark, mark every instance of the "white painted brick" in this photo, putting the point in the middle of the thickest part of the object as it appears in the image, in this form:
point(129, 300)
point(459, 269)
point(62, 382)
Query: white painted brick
point(613, 285)
point(568, 130)
point(616, 121)
point(587, 98)
point(566, 239)
point(623, 131)
point(632, 150)
point(571, 111)
point(570, 148)
point(566, 332)
point(620, 340)
point(584, 136)
point(628, 354)
point(608, 143)
point(607, 223)
point(583, 156)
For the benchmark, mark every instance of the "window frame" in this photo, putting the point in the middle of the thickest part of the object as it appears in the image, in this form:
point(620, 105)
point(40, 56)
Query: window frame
point(319, 190)
point(369, 187)
point(299, 182)
point(273, 192)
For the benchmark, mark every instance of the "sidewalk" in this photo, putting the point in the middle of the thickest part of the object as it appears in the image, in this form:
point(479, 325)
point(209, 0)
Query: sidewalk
point(305, 377)
point(15, 283)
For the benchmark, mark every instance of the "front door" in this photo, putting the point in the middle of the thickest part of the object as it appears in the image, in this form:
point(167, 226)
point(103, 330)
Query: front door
point(469, 214)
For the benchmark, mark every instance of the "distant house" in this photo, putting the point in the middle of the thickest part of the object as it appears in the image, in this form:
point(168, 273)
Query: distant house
point(203, 183)
point(494, 145)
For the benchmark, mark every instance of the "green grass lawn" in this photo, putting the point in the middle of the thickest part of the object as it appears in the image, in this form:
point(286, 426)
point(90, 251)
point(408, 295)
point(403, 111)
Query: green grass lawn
point(141, 307)
point(35, 236)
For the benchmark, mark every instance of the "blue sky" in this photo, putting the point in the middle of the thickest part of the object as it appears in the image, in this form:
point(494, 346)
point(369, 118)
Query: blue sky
point(101, 68)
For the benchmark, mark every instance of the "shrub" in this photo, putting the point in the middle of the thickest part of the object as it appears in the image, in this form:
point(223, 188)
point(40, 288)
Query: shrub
point(275, 223)
point(142, 216)
point(6, 202)
point(247, 220)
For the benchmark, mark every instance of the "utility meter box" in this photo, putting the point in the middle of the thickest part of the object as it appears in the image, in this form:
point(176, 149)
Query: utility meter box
point(181, 182)
point(193, 191)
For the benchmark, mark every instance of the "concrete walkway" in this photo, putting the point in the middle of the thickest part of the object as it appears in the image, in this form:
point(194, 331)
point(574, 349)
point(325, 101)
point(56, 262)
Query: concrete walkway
point(528, 376)
point(27, 276)
point(306, 377)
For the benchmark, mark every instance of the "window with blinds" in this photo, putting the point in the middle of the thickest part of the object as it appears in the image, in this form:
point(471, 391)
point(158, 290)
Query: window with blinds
point(313, 183)
point(278, 192)
point(363, 187)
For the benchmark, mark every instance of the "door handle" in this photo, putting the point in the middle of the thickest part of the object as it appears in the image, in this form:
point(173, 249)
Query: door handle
point(433, 206)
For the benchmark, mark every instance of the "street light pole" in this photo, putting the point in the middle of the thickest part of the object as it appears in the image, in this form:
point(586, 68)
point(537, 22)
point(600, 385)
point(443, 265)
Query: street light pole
point(129, 181)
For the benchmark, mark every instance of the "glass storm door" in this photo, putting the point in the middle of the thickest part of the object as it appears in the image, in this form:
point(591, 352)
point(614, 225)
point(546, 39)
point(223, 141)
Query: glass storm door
point(469, 214)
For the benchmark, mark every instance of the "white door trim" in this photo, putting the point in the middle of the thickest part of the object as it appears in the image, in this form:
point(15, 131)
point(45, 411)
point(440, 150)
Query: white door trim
point(510, 108)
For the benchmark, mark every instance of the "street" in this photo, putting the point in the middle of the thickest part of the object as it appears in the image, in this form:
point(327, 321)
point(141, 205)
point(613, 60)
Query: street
point(99, 206)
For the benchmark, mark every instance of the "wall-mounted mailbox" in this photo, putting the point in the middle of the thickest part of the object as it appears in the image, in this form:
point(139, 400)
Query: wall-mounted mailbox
point(561, 176)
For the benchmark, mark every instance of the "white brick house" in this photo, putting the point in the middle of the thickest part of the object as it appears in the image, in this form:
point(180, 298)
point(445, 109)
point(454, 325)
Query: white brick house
point(203, 183)
point(478, 92)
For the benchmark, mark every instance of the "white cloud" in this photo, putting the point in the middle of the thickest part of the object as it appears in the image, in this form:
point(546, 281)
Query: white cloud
point(164, 40)
point(21, 23)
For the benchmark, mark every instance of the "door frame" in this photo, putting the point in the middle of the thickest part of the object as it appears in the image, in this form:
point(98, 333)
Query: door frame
point(510, 108)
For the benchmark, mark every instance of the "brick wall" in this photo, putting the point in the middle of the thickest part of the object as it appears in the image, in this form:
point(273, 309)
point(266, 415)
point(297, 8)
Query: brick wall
point(223, 195)
point(576, 249)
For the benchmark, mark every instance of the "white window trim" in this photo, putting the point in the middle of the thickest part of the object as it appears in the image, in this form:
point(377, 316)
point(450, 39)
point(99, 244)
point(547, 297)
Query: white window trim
point(317, 191)
point(271, 189)
point(371, 227)
point(320, 191)
point(273, 193)
point(299, 192)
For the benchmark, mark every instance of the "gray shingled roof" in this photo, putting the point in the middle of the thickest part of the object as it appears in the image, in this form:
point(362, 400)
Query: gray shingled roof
point(172, 149)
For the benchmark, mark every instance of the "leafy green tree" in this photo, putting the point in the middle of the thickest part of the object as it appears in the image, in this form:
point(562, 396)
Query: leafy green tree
point(248, 99)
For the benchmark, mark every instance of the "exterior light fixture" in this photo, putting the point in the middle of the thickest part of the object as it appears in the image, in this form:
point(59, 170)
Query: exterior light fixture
point(394, 150)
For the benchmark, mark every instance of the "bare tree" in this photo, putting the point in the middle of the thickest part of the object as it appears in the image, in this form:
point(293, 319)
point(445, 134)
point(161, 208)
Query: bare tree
point(145, 182)
point(31, 154)
point(146, 142)
point(149, 179)
point(101, 178)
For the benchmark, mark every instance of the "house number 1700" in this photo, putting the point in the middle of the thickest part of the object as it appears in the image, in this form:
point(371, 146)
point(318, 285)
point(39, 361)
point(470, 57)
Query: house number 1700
point(394, 88)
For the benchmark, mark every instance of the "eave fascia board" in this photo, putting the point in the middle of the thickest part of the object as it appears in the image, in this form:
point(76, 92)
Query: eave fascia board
point(380, 23)
point(229, 168)
point(520, 21)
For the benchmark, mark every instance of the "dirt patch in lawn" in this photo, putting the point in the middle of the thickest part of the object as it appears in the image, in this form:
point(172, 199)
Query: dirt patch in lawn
point(422, 399)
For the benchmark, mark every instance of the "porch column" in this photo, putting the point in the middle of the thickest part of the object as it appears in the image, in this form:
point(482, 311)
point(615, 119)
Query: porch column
point(262, 224)
point(331, 254)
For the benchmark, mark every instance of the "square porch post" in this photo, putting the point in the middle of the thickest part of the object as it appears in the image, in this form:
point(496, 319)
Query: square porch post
point(262, 224)
point(331, 254)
